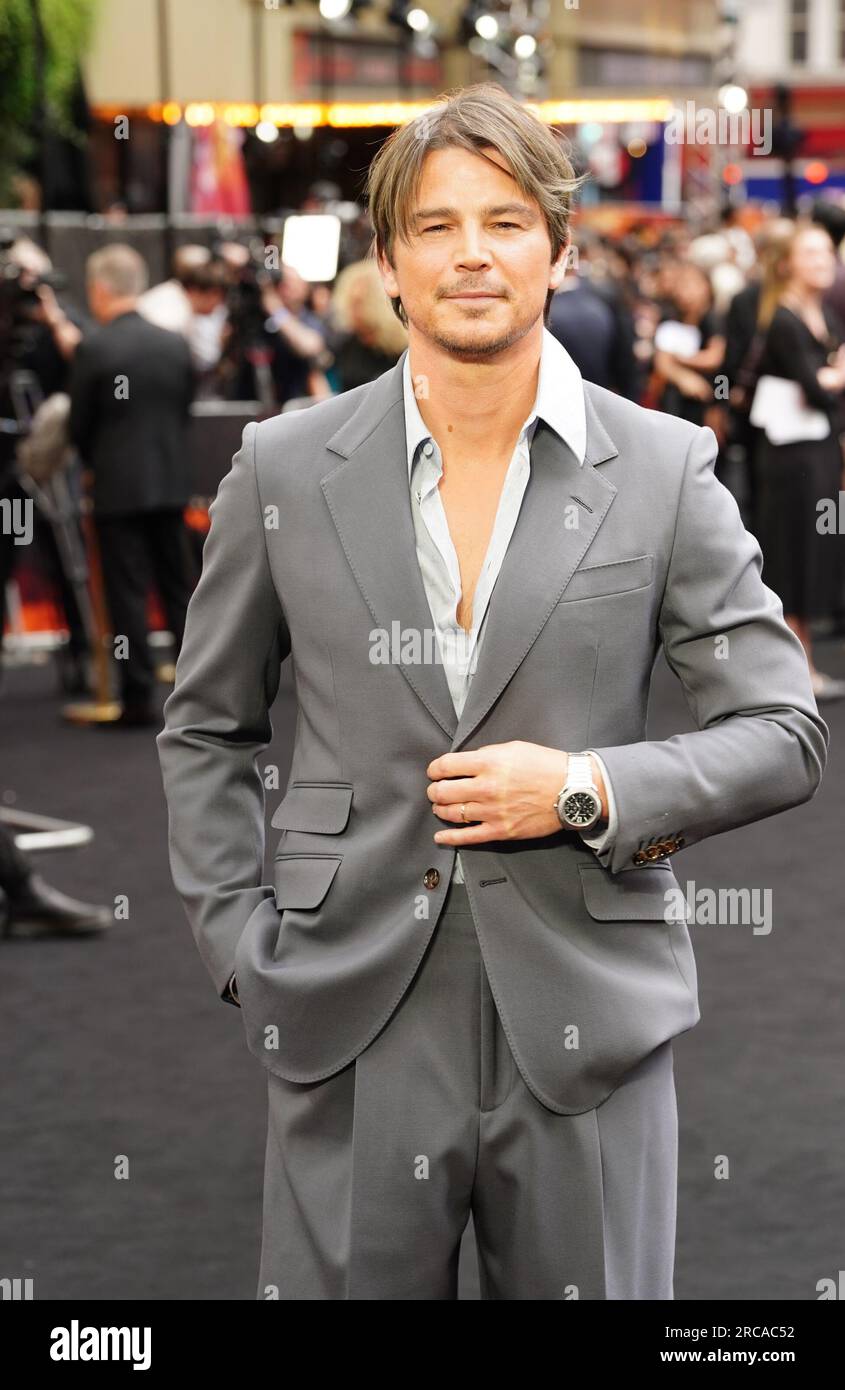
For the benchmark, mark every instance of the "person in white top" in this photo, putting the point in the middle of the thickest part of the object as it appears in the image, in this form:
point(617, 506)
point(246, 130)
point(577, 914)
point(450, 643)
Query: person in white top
point(192, 302)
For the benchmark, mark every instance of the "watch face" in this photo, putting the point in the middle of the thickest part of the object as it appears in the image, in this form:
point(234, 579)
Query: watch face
point(580, 808)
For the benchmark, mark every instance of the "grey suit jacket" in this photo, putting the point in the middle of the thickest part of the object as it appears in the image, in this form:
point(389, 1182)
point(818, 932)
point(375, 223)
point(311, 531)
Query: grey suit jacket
point(310, 552)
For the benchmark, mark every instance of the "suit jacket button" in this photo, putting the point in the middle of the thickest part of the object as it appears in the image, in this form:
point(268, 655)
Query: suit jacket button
point(653, 852)
point(431, 878)
point(639, 857)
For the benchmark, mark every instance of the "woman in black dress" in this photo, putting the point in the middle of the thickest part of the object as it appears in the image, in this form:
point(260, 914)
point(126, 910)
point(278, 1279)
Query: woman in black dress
point(804, 344)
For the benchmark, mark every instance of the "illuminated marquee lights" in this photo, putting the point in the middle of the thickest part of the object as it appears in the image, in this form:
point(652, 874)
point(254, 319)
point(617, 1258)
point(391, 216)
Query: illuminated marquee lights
point(347, 114)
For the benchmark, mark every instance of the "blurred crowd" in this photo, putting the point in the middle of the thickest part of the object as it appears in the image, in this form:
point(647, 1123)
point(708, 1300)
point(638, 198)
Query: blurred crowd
point(742, 333)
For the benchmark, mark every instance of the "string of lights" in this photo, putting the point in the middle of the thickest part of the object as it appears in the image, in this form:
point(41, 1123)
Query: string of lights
point(510, 36)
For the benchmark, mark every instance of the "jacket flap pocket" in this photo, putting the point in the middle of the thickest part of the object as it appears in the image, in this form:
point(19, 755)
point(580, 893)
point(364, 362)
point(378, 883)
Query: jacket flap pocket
point(593, 581)
point(321, 806)
point(303, 880)
point(636, 895)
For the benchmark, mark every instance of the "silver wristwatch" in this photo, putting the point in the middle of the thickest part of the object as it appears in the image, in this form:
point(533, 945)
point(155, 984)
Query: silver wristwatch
point(578, 805)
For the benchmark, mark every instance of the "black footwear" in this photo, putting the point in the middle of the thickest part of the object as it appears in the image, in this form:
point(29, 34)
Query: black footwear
point(134, 717)
point(39, 909)
point(73, 672)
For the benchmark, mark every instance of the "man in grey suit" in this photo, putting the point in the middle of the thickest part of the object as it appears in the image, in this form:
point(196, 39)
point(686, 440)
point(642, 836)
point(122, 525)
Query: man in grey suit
point(466, 975)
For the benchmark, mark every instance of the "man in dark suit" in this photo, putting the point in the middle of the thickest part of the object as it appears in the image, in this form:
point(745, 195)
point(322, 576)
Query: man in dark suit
point(597, 333)
point(131, 390)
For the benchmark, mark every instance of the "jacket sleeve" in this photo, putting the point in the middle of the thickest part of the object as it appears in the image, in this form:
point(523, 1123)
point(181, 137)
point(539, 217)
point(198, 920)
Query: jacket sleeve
point(82, 389)
point(217, 722)
point(760, 744)
point(603, 841)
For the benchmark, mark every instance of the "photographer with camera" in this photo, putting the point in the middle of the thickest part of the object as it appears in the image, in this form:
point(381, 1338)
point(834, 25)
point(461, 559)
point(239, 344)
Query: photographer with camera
point(38, 338)
point(275, 348)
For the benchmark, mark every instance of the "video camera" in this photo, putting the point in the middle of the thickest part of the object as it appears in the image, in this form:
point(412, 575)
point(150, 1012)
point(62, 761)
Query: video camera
point(247, 314)
point(20, 304)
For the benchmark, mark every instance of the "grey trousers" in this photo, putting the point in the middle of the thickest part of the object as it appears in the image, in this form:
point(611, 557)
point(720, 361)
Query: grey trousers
point(371, 1175)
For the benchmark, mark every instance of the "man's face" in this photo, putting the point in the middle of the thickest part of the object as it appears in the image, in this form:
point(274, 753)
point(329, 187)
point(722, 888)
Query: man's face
point(472, 232)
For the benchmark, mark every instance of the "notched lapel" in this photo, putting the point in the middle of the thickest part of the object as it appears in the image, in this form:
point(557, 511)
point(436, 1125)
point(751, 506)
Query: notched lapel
point(370, 504)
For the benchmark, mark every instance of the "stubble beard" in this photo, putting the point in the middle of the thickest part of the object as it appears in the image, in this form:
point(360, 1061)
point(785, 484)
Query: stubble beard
point(469, 344)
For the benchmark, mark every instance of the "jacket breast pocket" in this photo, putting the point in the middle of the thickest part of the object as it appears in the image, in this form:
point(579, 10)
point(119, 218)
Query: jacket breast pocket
point(616, 577)
point(647, 894)
point(302, 881)
point(322, 807)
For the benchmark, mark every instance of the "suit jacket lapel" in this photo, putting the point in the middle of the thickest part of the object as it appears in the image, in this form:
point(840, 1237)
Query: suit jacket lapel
point(369, 501)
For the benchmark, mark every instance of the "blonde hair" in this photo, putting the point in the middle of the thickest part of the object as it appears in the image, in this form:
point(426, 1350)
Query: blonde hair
point(373, 313)
point(774, 253)
point(120, 268)
point(475, 118)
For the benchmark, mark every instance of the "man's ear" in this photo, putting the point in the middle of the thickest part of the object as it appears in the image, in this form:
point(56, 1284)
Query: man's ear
point(560, 265)
point(387, 275)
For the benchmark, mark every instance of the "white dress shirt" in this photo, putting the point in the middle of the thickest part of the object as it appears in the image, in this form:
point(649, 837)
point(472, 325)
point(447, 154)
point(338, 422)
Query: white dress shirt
point(560, 403)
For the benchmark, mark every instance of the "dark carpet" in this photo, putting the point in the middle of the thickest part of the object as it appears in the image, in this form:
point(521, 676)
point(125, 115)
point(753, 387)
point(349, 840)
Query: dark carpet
point(133, 1118)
